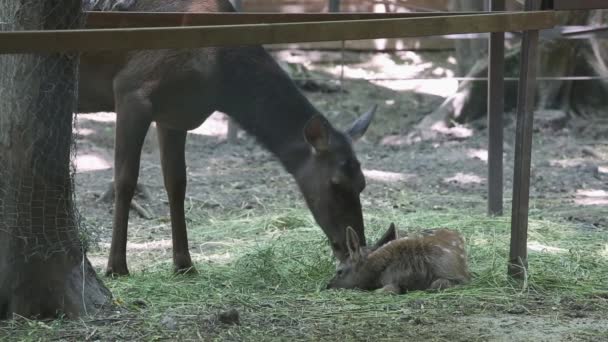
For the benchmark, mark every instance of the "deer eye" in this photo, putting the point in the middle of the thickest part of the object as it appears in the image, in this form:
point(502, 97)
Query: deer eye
point(340, 272)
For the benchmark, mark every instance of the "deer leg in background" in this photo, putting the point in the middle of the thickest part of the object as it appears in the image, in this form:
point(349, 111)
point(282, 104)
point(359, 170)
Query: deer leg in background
point(132, 123)
point(140, 189)
point(172, 156)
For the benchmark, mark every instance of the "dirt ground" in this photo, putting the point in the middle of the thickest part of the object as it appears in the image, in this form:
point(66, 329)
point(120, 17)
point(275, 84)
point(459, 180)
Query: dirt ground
point(569, 181)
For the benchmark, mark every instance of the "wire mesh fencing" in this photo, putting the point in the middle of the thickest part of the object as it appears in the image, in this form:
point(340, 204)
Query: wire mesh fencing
point(37, 102)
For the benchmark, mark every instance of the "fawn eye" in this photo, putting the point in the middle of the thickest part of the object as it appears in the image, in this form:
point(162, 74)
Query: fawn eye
point(340, 272)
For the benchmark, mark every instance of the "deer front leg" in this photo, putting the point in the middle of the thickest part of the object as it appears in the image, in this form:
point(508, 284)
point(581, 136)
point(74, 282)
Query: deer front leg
point(132, 123)
point(172, 153)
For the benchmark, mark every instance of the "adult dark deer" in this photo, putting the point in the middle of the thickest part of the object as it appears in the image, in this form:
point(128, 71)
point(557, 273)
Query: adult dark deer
point(179, 89)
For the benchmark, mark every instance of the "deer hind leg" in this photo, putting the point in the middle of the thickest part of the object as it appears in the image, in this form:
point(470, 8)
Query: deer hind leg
point(132, 123)
point(172, 154)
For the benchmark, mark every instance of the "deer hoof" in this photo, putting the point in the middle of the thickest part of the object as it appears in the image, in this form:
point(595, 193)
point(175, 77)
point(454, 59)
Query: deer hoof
point(185, 271)
point(114, 272)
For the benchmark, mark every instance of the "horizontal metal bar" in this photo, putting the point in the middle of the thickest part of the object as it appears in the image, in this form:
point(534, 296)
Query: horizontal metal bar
point(475, 79)
point(560, 5)
point(585, 31)
point(156, 19)
point(234, 35)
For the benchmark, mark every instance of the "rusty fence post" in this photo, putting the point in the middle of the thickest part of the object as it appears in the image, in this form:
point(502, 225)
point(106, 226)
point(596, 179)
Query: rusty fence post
point(496, 105)
point(518, 254)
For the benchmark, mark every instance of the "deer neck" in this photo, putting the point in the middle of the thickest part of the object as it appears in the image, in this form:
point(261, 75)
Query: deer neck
point(266, 103)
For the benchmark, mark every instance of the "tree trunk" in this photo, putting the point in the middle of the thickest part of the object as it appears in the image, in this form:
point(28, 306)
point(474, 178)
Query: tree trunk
point(43, 268)
point(468, 51)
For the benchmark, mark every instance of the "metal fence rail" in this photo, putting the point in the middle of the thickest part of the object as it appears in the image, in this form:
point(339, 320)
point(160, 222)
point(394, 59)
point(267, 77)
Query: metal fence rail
point(275, 33)
point(155, 19)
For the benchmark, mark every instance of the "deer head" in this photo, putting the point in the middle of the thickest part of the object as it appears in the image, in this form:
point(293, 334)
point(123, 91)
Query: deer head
point(331, 179)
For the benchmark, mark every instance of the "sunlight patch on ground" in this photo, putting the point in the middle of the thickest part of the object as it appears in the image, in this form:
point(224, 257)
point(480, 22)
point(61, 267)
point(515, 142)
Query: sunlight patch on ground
point(386, 176)
point(480, 154)
point(604, 251)
point(91, 162)
point(535, 246)
point(591, 197)
point(395, 140)
point(383, 65)
point(573, 162)
point(99, 117)
point(457, 131)
point(97, 261)
point(216, 126)
point(443, 88)
point(465, 178)
point(83, 132)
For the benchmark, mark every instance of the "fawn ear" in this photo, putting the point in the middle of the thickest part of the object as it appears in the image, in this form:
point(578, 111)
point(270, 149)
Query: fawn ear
point(352, 243)
point(389, 235)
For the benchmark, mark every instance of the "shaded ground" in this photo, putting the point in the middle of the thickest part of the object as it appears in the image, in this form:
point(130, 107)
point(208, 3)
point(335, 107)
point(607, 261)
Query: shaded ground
point(258, 250)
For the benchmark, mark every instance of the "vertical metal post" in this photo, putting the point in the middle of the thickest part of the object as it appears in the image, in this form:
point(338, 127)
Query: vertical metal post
point(233, 129)
point(518, 254)
point(334, 5)
point(238, 5)
point(496, 105)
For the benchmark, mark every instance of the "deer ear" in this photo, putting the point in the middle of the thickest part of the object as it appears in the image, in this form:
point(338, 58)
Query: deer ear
point(352, 243)
point(316, 133)
point(389, 235)
point(360, 126)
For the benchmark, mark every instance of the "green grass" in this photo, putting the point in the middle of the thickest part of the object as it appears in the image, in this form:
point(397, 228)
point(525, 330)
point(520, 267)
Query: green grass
point(276, 276)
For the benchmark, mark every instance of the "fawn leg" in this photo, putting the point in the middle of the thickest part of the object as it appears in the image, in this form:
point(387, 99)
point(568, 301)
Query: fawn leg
point(390, 289)
point(441, 283)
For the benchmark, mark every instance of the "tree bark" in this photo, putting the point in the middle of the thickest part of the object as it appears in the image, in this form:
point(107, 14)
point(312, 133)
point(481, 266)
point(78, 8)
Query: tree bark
point(43, 268)
point(468, 51)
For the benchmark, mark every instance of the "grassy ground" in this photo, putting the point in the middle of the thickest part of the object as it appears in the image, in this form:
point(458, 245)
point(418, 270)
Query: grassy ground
point(259, 252)
point(279, 264)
